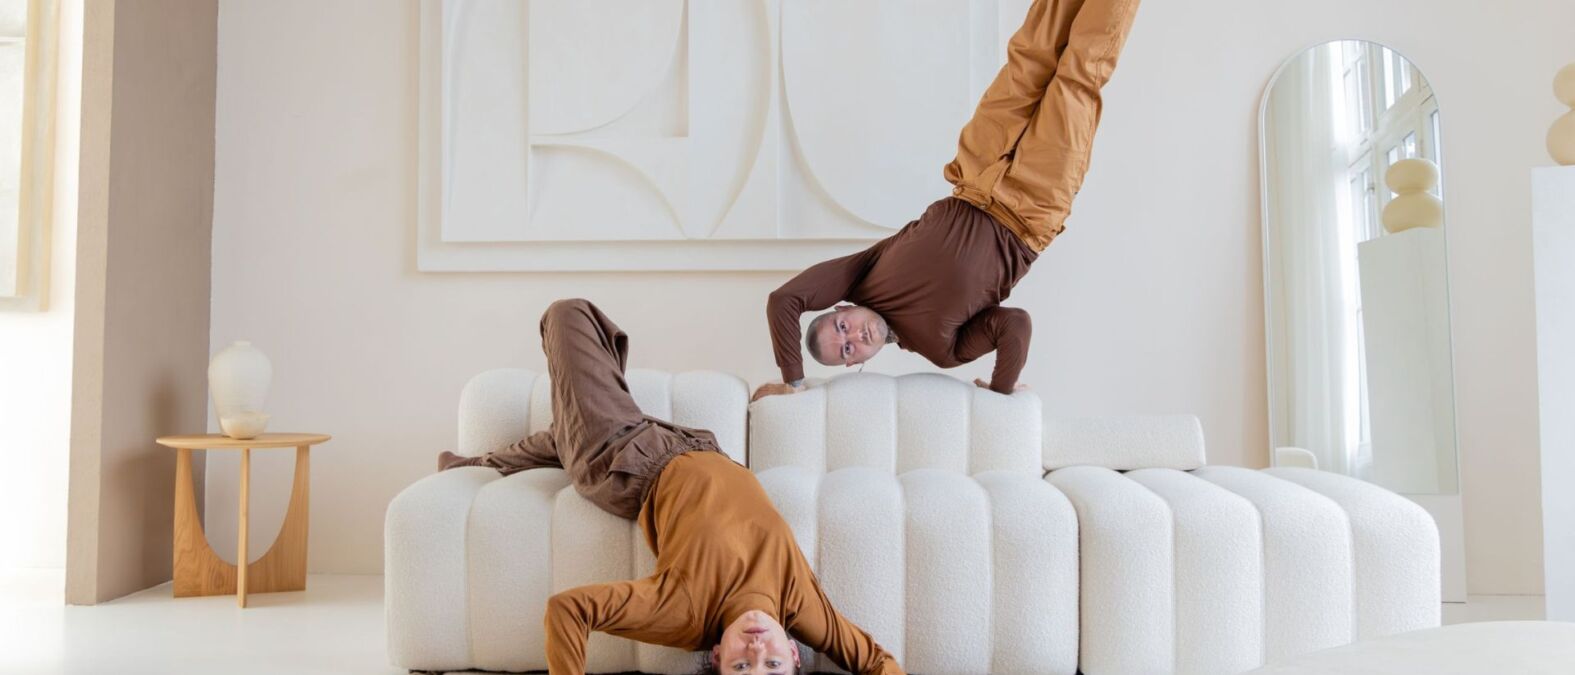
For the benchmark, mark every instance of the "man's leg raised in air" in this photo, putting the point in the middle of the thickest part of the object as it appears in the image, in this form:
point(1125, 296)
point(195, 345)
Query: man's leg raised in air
point(586, 356)
point(985, 146)
point(1051, 158)
point(586, 353)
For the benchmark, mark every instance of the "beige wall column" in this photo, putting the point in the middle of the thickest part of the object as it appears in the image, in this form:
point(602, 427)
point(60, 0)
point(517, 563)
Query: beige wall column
point(144, 237)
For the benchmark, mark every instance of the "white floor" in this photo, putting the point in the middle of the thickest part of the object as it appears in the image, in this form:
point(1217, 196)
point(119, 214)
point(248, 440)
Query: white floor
point(334, 627)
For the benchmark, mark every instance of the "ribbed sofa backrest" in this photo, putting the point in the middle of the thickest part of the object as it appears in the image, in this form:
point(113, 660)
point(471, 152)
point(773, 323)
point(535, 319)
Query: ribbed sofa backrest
point(498, 407)
point(897, 424)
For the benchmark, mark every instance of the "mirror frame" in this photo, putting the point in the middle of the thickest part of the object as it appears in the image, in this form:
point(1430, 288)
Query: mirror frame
point(1265, 253)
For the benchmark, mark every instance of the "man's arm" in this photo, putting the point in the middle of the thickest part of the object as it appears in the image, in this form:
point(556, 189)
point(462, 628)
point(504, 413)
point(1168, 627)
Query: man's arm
point(650, 610)
point(1004, 330)
point(776, 389)
point(811, 619)
point(813, 289)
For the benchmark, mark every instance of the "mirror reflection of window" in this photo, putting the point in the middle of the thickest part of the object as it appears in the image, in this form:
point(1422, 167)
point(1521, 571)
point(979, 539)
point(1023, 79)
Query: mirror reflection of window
point(1407, 125)
point(1355, 111)
point(1395, 131)
point(1397, 77)
point(1435, 144)
point(1356, 317)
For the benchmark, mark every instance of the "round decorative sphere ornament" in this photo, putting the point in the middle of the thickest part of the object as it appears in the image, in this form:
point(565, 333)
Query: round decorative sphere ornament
point(1414, 205)
point(238, 379)
point(1561, 138)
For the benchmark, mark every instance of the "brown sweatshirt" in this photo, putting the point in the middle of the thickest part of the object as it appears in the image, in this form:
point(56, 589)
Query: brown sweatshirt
point(721, 550)
point(938, 282)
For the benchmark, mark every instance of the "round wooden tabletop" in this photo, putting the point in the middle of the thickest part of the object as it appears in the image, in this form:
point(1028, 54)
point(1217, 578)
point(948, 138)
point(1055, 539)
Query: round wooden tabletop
point(222, 442)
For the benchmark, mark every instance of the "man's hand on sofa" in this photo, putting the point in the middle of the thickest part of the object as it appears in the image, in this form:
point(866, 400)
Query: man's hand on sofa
point(1017, 387)
point(774, 389)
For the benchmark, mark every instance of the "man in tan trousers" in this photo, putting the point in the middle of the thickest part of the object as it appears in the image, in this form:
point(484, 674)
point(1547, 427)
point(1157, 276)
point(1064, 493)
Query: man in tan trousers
point(729, 574)
point(935, 287)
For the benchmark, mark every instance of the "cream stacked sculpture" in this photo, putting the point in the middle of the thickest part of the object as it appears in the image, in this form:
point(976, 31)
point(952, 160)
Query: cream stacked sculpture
point(1561, 138)
point(1414, 205)
point(238, 378)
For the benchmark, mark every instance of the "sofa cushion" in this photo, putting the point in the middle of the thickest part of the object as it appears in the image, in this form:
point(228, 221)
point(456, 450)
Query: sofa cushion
point(897, 424)
point(951, 573)
point(1218, 569)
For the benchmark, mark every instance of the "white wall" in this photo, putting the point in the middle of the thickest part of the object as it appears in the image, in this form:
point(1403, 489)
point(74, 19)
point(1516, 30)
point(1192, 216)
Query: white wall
point(1152, 302)
point(35, 352)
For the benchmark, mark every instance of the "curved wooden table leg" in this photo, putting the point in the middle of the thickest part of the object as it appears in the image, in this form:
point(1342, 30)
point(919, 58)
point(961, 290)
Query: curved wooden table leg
point(198, 570)
point(283, 567)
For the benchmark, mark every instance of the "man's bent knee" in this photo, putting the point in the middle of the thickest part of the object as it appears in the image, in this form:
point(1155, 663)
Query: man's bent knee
point(566, 310)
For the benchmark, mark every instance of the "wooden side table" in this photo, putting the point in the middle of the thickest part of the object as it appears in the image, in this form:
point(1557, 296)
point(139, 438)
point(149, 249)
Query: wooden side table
point(200, 571)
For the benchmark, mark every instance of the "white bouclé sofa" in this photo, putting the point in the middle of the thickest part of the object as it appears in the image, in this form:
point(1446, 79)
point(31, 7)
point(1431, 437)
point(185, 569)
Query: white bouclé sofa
point(965, 530)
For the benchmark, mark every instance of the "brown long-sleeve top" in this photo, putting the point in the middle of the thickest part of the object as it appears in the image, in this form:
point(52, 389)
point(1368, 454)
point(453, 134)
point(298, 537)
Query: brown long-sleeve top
point(721, 550)
point(938, 282)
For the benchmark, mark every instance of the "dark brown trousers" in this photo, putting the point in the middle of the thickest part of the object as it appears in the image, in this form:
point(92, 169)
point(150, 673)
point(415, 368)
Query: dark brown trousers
point(611, 450)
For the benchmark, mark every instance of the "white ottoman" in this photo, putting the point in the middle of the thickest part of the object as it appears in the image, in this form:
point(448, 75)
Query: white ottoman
point(1519, 647)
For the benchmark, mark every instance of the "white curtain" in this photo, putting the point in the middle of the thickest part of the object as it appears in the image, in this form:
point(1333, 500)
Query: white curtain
point(1311, 254)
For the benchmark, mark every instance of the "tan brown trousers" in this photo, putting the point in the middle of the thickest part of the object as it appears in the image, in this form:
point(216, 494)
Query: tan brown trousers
point(1024, 154)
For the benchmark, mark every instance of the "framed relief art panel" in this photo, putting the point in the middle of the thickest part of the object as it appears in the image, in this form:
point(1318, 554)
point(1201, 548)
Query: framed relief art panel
point(689, 134)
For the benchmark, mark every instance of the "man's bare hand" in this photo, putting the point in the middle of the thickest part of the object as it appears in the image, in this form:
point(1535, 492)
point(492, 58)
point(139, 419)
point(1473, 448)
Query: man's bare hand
point(773, 389)
point(1017, 387)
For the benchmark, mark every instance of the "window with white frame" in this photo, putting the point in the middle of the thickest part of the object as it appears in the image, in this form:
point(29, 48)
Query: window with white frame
point(27, 90)
point(13, 77)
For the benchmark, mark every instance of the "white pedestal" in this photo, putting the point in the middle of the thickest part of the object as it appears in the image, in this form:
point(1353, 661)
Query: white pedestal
point(1410, 384)
point(1449, 513)
point(1553, 254)
point(1410, 378)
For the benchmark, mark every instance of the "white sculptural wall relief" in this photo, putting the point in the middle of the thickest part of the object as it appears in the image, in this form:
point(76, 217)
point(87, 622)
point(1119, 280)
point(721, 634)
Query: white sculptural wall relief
point(689, 134)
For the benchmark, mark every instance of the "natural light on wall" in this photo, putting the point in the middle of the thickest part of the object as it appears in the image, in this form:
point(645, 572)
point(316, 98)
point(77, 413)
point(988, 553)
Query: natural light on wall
point(13, 61)
point(26, 92)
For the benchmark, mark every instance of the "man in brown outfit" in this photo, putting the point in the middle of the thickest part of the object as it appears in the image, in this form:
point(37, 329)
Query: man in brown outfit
point(935, 287)
point(729, 574)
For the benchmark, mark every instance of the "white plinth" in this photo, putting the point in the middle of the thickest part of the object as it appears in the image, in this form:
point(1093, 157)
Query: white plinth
point(1553, 253)
point(1410, 383)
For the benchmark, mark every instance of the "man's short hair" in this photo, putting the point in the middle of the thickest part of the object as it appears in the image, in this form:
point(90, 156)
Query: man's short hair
point(812, 336)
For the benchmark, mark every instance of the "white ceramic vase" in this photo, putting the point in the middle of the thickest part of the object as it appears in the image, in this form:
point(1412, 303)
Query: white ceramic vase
point(238, 379)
